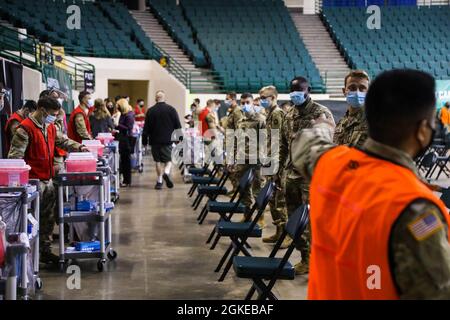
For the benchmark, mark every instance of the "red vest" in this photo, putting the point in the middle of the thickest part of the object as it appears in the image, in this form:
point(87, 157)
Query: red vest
point(40, 152)
point(202, 118)
point(14, 117)
point(355, 200)
point(72, 130)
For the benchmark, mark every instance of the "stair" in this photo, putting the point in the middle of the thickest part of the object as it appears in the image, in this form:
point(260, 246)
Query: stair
point(323, 51)
point(200, 77)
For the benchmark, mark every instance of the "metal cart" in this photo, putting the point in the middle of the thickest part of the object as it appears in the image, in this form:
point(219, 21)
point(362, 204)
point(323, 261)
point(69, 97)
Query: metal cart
point(114, 160)
point(100, 216)
point(29, 196)
point(8, 286)
point(139, 153)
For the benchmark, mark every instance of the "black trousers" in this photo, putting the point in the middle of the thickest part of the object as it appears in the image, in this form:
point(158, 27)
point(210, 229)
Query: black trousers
point(125, 158)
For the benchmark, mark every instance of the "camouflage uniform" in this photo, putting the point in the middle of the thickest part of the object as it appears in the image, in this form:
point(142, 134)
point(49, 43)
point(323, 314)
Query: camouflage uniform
point(296, 186)
point(233, 119)
point(211, 120)
point(255, 121)
point(19, 145)
point(59, 124)
point(275, 121)
point(352, 129)
point(420, 268)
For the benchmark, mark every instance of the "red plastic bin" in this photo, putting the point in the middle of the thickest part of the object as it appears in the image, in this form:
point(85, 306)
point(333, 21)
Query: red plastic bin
point(14, 177)
point(88, 165)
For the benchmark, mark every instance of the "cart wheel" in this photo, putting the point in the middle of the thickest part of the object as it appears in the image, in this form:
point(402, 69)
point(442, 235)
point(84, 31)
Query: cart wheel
point(141, 168)
point(112, 255)
point(62, 267)
point(38, 284)
point(101, 265)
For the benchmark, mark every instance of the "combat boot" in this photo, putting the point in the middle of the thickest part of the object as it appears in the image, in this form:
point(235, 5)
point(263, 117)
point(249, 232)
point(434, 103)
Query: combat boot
point(261, 222)
point(286, 242)
point(274, 238)
point(302, 267)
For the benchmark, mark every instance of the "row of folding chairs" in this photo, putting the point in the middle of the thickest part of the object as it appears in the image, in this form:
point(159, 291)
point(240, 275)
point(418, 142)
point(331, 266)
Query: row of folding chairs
point(209, 182)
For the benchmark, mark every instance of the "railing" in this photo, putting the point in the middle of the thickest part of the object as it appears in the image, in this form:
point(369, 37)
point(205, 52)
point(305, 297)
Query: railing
point(433, 2)
point(29, 51)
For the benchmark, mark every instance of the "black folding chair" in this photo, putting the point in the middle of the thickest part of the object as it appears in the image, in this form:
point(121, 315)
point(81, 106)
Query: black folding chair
point(226, 209)
point(209, 179)
point(271, 269)
point(212, 192)
point(239, 232)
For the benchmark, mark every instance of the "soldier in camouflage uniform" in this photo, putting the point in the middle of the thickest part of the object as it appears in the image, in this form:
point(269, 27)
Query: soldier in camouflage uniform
point(233, 119)
point(419, 265)
point(299, 117)
point(351, 130)
point(252, 123)
point(19, 145)
point(274, 121)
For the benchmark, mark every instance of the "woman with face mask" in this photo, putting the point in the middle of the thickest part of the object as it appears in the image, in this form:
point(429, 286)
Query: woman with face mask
point(100, 119)
point(126, 140)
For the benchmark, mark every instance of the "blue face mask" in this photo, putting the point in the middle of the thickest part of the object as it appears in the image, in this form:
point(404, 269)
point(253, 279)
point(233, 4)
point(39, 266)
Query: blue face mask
point(257, 109)
point(247, 108)
point(265, 103)
point(356, 98)
point(298, 97)
point(50, 119)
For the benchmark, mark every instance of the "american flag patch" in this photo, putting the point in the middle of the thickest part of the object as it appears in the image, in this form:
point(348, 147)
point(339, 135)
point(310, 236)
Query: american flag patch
point(425, 226)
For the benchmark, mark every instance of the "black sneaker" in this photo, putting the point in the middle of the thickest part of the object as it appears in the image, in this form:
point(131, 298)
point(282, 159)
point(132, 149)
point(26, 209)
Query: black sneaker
point(169, 182)
point(158, 186)
point(47, 257)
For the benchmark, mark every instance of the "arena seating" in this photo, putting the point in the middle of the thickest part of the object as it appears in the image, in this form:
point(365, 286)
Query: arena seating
point(102, 33)
point(410, 37)
point(171, 16)
point(251, 43)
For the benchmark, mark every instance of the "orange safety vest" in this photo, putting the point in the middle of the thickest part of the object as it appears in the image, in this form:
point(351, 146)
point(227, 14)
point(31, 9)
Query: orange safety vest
point(355, 200)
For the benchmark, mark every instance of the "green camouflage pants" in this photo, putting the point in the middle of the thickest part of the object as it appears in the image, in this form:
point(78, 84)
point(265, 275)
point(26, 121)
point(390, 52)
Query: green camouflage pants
point(277, 206)
point(251, 193)
point(47, 213)
point(297, 193)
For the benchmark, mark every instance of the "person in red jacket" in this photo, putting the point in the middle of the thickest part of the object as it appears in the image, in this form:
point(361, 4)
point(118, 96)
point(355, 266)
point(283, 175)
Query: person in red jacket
point(35, 141)
point(139, 110)
point(16, 118)
point(79, 127)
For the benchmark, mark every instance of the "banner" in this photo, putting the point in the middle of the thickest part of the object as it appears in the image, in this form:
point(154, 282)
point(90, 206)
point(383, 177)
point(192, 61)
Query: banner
point(442, 92)
point(89, 81)
point(59, 79)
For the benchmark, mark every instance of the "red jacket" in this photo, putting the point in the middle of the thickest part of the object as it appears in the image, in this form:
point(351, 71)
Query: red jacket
point(72, 130)
point(15, 116)
point(202, 119)
point(40, 152)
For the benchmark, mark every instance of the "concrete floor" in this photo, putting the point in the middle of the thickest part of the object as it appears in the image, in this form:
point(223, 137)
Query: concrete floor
point(162, 253)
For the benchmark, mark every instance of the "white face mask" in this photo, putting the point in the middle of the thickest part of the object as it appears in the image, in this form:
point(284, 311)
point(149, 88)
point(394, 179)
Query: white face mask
point(90, 103)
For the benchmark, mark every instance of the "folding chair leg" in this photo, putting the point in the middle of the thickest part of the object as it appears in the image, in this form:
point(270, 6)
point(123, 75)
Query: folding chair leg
point(213, 232)
point(224, 258)
point(198, 202)
point(202, 213)
point(191, 190)
point(203, 217)
point(229, 264)
point(216, 241)
point(250, 293)
point(195, 201)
